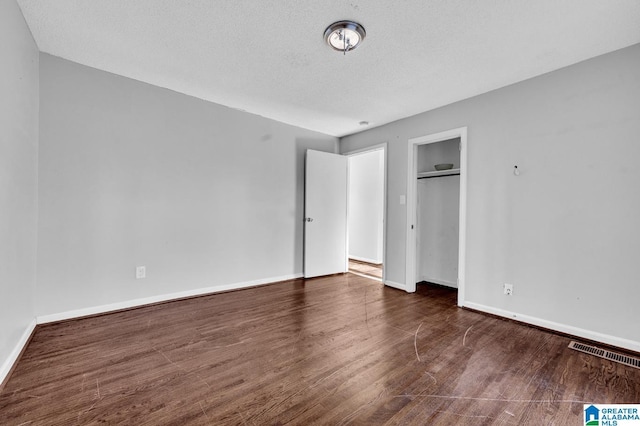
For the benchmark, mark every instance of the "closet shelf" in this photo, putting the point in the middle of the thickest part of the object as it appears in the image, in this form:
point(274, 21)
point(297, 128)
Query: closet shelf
point(438, 173)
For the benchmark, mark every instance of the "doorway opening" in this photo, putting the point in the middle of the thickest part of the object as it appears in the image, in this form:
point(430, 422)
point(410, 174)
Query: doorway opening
point(366, 212)
point(423, 216)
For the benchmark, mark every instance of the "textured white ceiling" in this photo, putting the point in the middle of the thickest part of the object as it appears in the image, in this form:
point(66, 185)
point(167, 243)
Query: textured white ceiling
point(268, 57)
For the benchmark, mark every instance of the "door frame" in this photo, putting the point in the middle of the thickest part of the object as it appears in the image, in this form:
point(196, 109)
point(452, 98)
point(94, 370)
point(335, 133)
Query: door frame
point(379, 147)
point(412, 208)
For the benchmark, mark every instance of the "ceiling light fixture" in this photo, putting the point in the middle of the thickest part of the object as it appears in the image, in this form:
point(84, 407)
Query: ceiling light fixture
point(344, 36)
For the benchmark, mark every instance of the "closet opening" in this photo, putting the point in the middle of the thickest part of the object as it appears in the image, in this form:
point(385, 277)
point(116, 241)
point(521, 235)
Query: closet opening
point(436, 211)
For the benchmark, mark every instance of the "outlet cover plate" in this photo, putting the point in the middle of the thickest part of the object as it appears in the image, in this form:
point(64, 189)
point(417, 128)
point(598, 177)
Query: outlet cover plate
point(141, 272)
point(508, 289)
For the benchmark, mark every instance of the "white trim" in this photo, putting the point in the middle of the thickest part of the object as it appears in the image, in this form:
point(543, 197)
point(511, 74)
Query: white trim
point(7, 365)
point(563, 328)
point(346, 228)
point(440, 282)
point(412, 172)
point(393, 284)
point(384, 147)
point(462, 231)
point(134, 303)
point(378, 147)
point(364, 259)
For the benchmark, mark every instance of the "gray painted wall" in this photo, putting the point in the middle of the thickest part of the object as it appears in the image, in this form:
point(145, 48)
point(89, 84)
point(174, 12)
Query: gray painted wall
point(132, 174)
point(18, 178)
point(565, 232)
point(431, 154)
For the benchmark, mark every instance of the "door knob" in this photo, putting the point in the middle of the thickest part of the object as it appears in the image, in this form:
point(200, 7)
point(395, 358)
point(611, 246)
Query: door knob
point(309, 219)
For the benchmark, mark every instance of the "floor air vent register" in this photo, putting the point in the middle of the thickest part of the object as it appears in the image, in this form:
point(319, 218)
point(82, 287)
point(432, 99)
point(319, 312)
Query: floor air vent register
point(612, 356)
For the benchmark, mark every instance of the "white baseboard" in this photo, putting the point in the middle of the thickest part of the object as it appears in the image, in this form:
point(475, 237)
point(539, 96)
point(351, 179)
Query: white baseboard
point(7, 365)
point(395, 285)
point(365, 259)
point(440, 282)
point(134, 303)
point(563, 328)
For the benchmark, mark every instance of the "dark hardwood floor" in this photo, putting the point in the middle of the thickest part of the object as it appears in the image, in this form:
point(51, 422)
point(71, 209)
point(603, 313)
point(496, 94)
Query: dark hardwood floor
point(335, 350)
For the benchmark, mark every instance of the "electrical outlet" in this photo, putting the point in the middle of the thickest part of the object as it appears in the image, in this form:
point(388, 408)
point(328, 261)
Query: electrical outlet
point(508, 289)
point(141, 272)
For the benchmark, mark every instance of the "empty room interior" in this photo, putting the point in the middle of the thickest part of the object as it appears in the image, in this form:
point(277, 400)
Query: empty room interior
point(298, 212)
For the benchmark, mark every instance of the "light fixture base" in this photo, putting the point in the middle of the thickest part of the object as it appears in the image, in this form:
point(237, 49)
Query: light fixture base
point(344, 36)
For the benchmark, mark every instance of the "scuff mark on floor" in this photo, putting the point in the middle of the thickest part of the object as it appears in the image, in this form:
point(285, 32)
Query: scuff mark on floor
point(180, 367)
point(366, 313)
point(464, 339)
point(278, 404)
point(231, 344)
point(399, 329)
point(203, 411)
point(244, 422)
point(329, 376)
point(97, 399)
point(415, 342)
point(466, 415)
point(435, 381)
point(470, 398)
point(295, 343)
point(349, 417)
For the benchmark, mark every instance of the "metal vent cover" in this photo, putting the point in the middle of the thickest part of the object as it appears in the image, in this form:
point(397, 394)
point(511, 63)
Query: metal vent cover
point(612, 356)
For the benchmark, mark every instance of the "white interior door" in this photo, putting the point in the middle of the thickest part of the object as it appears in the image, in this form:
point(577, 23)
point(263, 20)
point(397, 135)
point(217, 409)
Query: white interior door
point(325, 206)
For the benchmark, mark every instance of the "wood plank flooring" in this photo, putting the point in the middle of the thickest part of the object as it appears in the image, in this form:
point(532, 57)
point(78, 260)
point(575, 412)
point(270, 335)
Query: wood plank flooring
point(333, 350)
point(365, 268)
